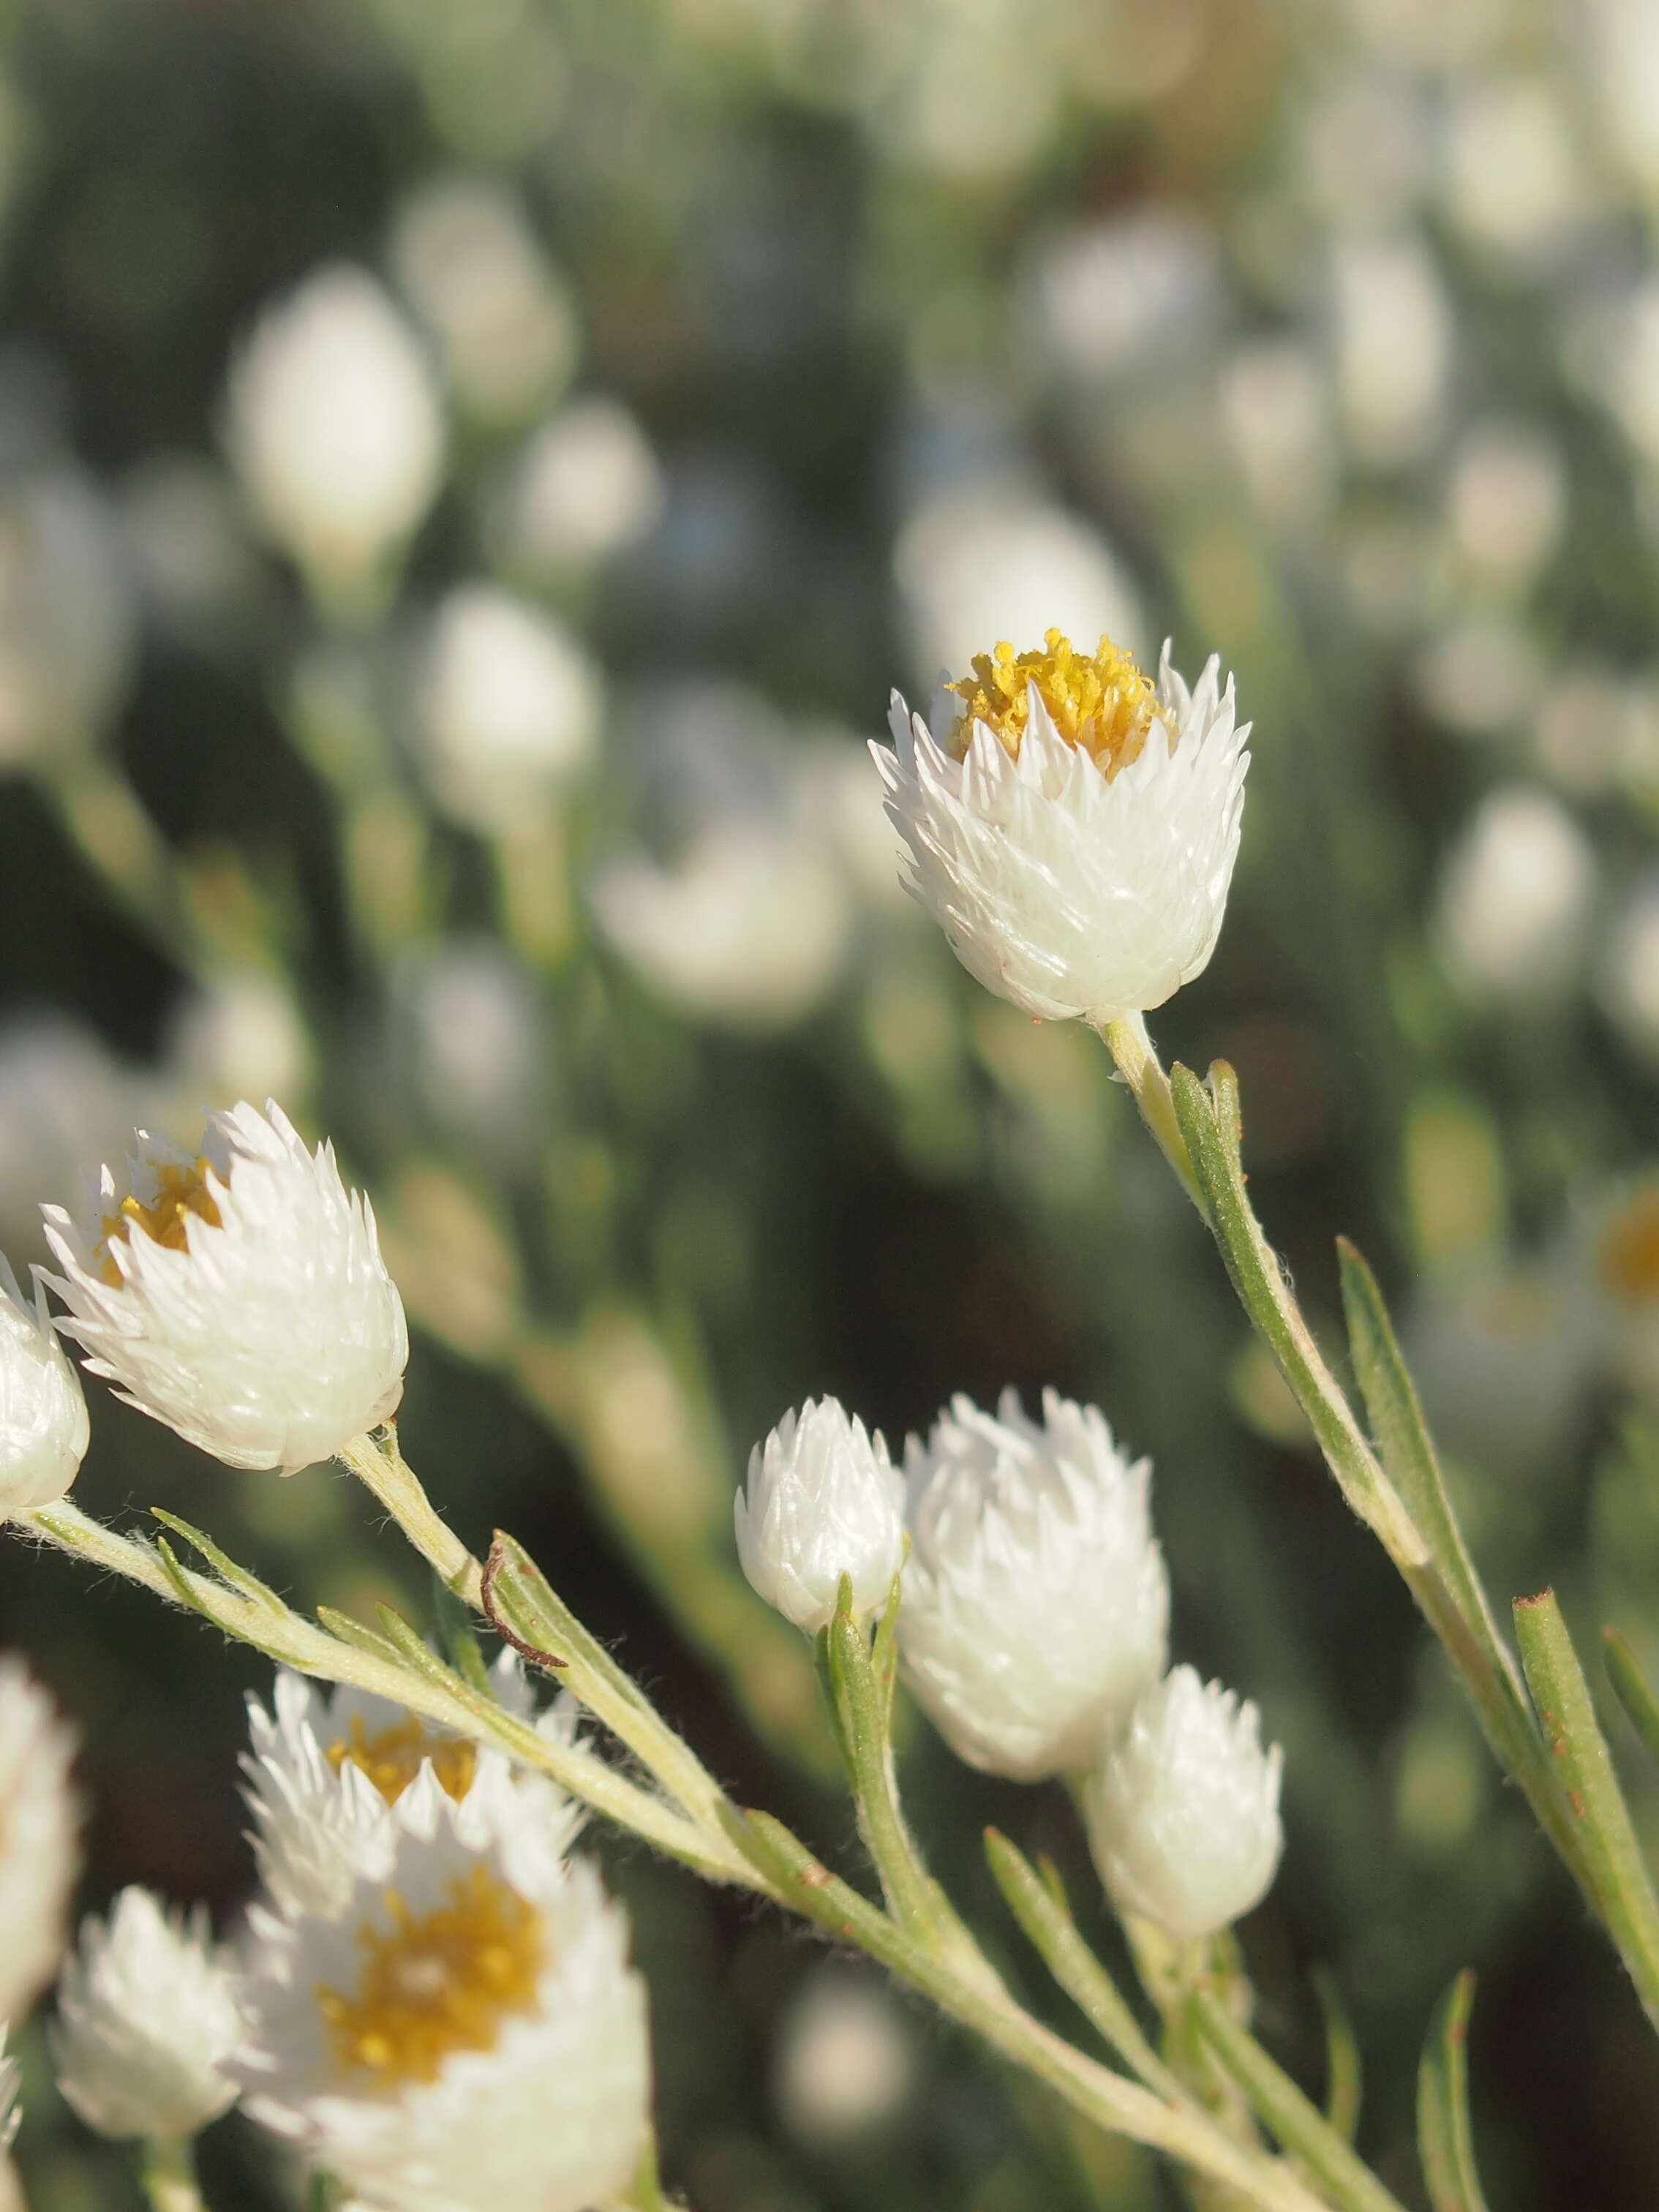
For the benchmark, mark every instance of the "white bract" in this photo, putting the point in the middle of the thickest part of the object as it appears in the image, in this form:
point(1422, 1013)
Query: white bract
point(43, 1415)
point(328, 1764)
point(1035, 1601)
point(464, 2032)
point(510, 707)
point(821, 1500)
point(1072, 827)
point(237, 1294)
point(1183, 1809)
point(146, 2020)
point(40, 1838)
point(333, 425)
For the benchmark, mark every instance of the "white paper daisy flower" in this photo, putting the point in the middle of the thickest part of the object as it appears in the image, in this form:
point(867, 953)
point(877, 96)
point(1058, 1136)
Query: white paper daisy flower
point(40, 1838)
point(821, 1500)
point(147, 2018)
point(1071, 826)
point(43, 1415)
point(326, 1765)
point(237, 1293)
point(466, 2033)
point(1035, 1603)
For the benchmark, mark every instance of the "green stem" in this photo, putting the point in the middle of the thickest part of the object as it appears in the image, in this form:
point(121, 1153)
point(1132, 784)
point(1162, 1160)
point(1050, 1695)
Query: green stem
point(1131, 1048)
point(379, 1464)
point(168, 2171)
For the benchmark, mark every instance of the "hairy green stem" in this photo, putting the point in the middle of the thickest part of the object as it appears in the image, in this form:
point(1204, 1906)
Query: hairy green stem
point(379, 1464)
point(168, 2171)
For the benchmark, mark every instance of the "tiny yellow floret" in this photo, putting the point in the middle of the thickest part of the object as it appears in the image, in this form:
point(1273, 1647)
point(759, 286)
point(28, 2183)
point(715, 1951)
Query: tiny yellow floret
point(436, 1983)
point(1101, 702)
point(392, 1757)
point(179, 1192)
point(1630, 1252)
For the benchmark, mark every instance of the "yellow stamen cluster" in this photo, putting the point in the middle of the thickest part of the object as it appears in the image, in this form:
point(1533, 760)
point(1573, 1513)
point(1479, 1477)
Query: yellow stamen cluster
point(436, 1983)
point(1100, 701)
point(1630, 1252)
point(179, 1192)
point(392, 1757)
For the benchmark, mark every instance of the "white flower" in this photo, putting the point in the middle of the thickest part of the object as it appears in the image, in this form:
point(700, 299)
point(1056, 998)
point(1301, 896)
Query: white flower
point(40, 1840)
point(846, 2063)
point(465, 2033)
point(327, 1764)
point(238, 1295)
point(821, 1500)
point(1035, 1601)
point(43, 1415)
point(1183, 1809)
point(1515, 896)
point(587, 485)
point(1072, 829)
point(333, 425)
point(147, 2019)
point(510, 707)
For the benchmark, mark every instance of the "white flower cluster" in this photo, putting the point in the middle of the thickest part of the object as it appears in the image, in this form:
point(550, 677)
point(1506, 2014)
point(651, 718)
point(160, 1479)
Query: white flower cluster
point(1033, 1629)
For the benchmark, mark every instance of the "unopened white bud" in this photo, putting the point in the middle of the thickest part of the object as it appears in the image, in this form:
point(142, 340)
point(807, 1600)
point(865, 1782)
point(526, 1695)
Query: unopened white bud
point(147, 2018)
point(43, 1415)
point(1183, 1809)
point(237, 1294)
point(823, 1500)
point(1036, 1601)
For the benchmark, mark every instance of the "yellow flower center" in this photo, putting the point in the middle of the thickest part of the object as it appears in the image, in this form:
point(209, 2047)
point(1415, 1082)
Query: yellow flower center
point(1630, 1252)
point(436, 1983)
point(392, 1757)
point(179, 1192)
point(1100, 701)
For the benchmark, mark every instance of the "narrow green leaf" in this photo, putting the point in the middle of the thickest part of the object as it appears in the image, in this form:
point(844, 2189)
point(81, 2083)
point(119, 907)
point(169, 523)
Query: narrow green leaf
point(1444, 2135)
point(1408, 1452)
point(1636, 1693)
point(236, 1576)
point(345, 1629)
point(1611, 1868)
point(455, 1618)
point(1302, 2130)
point(1342, 2069)
point(1040, 1908)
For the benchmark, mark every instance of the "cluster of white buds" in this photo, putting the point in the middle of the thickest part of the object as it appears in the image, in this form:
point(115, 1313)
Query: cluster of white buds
point(147, 2022)
point(1033, 1629)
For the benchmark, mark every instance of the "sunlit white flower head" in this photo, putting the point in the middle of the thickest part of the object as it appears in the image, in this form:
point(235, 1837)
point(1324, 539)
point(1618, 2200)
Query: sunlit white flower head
point(40, 1838)
point(1072, 827)
point(465, 2033)
point(43, 1415)
point(238, 1035)
point(237, 1294)
point(147, 2019)
point(821, 1500)
point(509, 709)
point(333, 425)
point(1183, 1809)
point(1036, 1601)
point(327, 1764)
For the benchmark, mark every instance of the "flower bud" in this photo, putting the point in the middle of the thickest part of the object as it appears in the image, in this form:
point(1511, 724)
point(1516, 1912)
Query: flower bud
point(238, 1294)
point(147, 2016)
point(823, 1500)
point(43, 1415)
point(1183, 1810)
point(39, 1846)
point(1035, 1601)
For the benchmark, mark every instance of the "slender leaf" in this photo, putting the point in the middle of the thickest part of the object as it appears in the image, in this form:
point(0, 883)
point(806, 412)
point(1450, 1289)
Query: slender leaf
point(1342, 2070)
point(1444, 2134)
point(1636, 1693)
point(236, 1576)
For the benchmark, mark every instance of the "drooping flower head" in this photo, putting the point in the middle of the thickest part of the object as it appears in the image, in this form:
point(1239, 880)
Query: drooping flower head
point(821, 1500)
point(1073, 826)
point(147, 2019)
point(40, 1838)
point(236, 1293)
point(1183, 1808)
point(463, 2031)
point(327, 1764)
point(43, 1415)
point(1035, 1603)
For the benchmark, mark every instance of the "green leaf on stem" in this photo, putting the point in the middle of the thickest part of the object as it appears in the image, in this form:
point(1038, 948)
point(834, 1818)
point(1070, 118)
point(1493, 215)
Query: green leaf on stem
point(1342, 2069)
point(1610, 1866)
point(455, 1620)
point(1346, 2181)
point(236, 1578)
point(1636, 1693)
point(1444, 2137)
